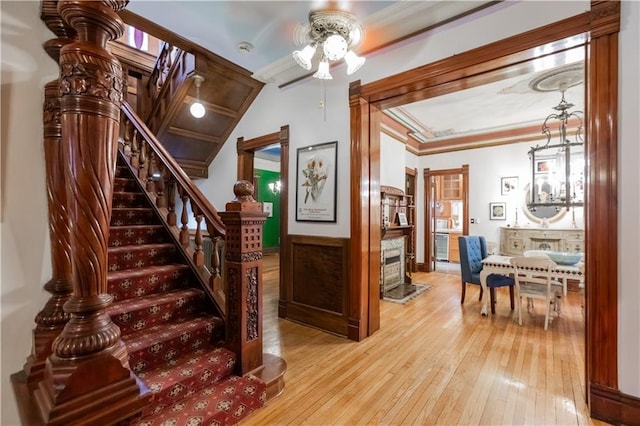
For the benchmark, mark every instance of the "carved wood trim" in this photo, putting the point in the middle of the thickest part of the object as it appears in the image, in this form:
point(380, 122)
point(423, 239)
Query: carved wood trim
point(602, 121)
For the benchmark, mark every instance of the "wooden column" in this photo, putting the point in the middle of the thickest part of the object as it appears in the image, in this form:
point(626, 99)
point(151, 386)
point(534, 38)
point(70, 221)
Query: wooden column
point(243, 220)
point(601, 224)
point(87, 377)
point(52, 318)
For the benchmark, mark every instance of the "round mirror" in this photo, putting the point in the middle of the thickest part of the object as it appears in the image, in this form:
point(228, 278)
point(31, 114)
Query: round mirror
point(539, 213)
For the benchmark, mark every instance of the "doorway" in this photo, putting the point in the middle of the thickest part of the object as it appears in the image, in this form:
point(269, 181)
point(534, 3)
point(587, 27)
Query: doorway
point(446, 210)
point(601, 22)
point(246, 171)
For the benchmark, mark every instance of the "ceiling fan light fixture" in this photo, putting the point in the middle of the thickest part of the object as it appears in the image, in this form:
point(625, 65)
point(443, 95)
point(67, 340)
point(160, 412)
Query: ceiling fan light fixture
point(354, 62)
point(303, 57)
point(334, 47)
point(336, 32)
point(323, 71)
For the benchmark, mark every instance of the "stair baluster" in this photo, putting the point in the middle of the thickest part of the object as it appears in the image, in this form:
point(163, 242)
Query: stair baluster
point(135, 150)
point(143, 164)
point(184, 217)
point(198, 256)
point(161, 200)
point(151, 173)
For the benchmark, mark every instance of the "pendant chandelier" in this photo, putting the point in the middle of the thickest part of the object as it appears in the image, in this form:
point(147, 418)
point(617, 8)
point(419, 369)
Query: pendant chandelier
point(557, 168)
point(333, 33)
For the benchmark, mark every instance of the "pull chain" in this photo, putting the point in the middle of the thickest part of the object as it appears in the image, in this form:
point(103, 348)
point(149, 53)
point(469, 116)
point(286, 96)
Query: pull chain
point(323, 100)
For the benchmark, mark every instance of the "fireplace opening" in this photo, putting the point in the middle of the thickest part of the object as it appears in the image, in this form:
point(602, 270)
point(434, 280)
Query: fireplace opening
point(392, 264)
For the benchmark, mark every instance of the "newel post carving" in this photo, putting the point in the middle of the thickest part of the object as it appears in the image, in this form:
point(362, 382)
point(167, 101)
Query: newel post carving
point(243, 220)
point(87, 377)
point(52, 318)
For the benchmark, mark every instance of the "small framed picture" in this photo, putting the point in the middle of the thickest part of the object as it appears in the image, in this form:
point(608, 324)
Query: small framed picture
point(498, 211)
point(402, 219)
point(508, 185)
point(316, 183)
point(542, 166)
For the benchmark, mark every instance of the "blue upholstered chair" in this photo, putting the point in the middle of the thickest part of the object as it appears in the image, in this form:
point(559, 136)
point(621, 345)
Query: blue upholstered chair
point(473, 248)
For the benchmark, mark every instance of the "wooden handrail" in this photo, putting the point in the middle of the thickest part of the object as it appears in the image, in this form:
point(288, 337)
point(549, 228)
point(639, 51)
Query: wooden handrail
point(206, 208)
point(160, 174)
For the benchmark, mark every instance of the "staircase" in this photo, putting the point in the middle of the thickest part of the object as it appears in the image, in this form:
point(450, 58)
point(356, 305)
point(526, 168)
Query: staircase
point(168, 323)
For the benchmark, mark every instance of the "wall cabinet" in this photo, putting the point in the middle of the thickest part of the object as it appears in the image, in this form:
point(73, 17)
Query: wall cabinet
point(450, 187)
point(515, 241)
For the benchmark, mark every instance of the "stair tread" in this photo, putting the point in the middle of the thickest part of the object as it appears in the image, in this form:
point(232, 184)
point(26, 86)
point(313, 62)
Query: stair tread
point(133, 208)
point(151, 300)
point(137, 247)
point(147, 270)
point(173, 379)
point(226, 402)
point(166, 331)
point(150, 225)
point(162, 343)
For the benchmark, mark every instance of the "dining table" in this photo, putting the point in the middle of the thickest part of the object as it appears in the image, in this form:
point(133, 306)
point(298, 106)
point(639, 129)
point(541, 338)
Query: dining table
point(498, 264)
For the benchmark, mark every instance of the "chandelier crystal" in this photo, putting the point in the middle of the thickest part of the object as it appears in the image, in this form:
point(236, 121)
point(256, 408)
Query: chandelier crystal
point(335, 32)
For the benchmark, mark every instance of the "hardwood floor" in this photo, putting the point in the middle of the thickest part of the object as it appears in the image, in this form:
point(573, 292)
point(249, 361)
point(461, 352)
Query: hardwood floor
point(433, 361)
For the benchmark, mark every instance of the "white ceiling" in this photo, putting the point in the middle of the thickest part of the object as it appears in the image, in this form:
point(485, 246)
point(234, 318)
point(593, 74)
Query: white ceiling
point(273, 27)
point(509, 103)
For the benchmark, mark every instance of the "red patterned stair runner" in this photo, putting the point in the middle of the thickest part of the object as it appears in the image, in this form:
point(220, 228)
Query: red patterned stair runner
point(168, 323)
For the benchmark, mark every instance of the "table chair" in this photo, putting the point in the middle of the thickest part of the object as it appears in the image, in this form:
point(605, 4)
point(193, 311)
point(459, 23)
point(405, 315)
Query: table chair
point(534, 280)
point(473, 248)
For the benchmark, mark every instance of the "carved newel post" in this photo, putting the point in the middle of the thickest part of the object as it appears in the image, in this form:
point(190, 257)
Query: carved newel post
point(243, 220)
point(52, 318)
point(87, 378)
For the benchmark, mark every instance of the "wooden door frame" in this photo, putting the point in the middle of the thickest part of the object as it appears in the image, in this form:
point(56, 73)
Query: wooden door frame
point(428, 174)
point(246, 154)
point(602, 24)
point(410, 173)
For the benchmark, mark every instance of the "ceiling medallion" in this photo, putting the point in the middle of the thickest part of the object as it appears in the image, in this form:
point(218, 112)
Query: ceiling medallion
point(559, 79)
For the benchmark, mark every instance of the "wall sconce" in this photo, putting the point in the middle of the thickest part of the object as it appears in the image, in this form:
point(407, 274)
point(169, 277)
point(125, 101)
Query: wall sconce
point(275, 187)
point(197, 109)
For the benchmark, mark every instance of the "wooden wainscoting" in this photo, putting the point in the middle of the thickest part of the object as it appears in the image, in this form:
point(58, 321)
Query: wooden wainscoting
point(317, 289)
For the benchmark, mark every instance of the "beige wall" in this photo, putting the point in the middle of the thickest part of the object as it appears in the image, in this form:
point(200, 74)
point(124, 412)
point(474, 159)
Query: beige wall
point(25, 255)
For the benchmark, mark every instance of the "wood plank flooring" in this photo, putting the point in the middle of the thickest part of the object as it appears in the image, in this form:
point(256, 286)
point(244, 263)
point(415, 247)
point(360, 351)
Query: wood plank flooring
point(433, 362)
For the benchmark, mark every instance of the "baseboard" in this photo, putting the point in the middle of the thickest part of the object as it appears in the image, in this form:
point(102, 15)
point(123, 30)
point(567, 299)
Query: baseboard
point(612, 406)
